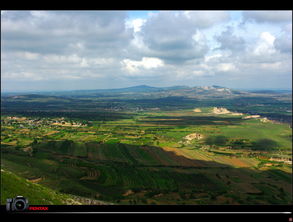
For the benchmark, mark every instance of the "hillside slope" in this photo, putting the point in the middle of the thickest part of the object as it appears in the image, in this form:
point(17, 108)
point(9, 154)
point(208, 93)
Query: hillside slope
point(13, 185)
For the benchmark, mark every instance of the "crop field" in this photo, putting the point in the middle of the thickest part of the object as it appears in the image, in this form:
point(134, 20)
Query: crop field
point(177, 157)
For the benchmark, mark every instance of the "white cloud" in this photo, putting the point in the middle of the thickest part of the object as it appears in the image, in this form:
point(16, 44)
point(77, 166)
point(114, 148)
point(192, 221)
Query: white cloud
point(174, 47)
point(270, 66)
point(101, 61)
point(26, 55)
point(173, 37)
point(135, 24)
point(283, 43)
point(198, 72)
point(146, 63)
point(226, 67)
point(212, 57)
point(53, 58)
point(84, 63)
point(40, 14)
point(22, 75)
point(98, 32)
point(265, 45)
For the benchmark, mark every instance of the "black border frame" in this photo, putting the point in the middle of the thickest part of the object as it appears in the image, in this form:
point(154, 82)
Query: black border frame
point(282, 212)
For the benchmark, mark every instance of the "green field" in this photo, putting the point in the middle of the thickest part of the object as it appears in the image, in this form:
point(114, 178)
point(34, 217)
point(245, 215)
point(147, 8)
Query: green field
point(146, 159)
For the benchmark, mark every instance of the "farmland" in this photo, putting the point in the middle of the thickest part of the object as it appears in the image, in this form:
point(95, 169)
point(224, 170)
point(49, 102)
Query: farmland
point(153, 151)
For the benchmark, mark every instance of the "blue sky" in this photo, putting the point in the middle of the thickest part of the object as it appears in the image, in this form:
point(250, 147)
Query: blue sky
point(134, 14)
point(64, 50)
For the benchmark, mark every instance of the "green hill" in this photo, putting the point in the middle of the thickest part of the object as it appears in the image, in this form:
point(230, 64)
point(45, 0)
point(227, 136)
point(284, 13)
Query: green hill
point(129, 174)
point(13, 185)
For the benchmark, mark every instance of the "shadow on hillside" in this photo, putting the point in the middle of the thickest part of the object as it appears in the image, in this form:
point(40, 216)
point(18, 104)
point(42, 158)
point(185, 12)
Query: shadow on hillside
point(192, 120)
point(88, 116)
point(145, 166)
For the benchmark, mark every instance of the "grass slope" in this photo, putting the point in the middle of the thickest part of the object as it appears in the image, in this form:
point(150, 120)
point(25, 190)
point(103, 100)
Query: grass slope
point(13, 185)
point(108, 172)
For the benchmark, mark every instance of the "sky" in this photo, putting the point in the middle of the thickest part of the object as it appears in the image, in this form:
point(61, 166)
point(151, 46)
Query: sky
point(68, 50)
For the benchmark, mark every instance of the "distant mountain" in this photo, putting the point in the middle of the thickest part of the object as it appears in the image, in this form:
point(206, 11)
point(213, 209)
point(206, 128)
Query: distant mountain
point(175, 87)
point(134, 92)
point(140, 88)
point(97, 92)
point(146, 88)
point(145, 92)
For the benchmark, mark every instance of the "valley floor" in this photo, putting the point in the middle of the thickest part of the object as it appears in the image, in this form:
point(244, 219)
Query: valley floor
point(191, 156)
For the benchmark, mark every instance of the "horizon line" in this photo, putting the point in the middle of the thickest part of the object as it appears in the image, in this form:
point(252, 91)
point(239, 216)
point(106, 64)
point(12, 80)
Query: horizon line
point(62, 90)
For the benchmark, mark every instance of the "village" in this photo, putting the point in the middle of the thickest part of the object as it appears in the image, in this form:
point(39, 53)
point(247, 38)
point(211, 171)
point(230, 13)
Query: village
point(31, 123)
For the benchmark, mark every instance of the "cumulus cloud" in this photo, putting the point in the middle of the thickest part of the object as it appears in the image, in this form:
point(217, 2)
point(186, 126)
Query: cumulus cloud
point(135, 24)
point(226, 67)
point(265, 45)
point(132, 66)
point(229, 41)
point(58, 31)
point(173, 37)
point(108, 48)
point(64, 44)
point(283, 43)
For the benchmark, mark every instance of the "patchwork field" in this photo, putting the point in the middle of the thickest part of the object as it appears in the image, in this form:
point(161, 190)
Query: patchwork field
point(178, 157)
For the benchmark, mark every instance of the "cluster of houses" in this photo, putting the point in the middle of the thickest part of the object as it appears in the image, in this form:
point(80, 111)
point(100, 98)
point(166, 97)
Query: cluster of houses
point(10, 120)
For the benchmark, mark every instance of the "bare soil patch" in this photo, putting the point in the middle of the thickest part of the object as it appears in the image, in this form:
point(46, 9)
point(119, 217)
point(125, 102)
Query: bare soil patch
point(197, 110)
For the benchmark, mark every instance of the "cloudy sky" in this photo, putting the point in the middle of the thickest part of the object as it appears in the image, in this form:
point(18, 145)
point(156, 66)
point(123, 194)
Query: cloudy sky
point(64, 50)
